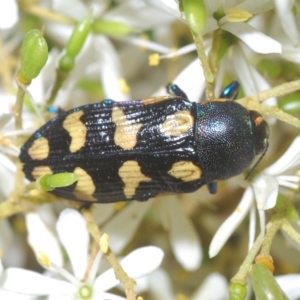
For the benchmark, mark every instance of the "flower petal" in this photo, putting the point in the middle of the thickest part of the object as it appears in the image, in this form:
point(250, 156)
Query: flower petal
point(42, 239)
point(265, 191)
point(139, 14)
point(253, 38)
point(29, 282)
point(13, 296)
point(110, 70)
point(124, 225)
point(71, 228)
point(5, 118)
point(291, 53)
point(287, 19)
point(138, 263)
point(160, 286)
point(191, 80)
point(8, 14)
point(78, 11)
point(290, 285)
point(208, 288)
point(211, 25)
point(106, 296)
point(7, 170)
point(231, 223)
point(169, 6)
point(256, 7)
point(95, 266)
point(252, 226)
point(250, 78)
point(183, 237)
point(290, 159)
point(143, 261)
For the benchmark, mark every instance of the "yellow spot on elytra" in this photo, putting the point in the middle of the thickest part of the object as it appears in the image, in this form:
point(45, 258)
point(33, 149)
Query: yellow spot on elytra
point(153, 100)
point(41, 171)
point(126, 133)
point(237, 15)
point(185, 170)
point(76, 129)
point(178, 123)
point(153, 60)
point(39, 149)
point(124, 87)
point(131, 175)
point(85, 186)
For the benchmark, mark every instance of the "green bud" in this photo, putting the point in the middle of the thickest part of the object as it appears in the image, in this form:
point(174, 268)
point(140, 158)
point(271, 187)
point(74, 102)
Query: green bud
point(49, 182)
point(195, 14)
point(237, 291)
point(111, 28)
point(264, 284)
point(34, 55)
point(290, 103)
point(78, 37)
point(66, 63)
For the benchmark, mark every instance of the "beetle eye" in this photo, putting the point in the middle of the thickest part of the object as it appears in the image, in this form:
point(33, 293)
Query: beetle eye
point(260, 131)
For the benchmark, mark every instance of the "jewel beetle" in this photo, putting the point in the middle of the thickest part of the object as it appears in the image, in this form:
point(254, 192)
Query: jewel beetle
point(135, 150)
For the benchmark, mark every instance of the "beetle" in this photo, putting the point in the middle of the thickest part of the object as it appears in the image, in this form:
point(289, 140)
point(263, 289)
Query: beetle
point(135, 150)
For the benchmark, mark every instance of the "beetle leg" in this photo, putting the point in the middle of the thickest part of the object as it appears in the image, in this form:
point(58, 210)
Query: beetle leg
point(230, 91)
point(55, 110)
point(174, 89)
point(212, 187)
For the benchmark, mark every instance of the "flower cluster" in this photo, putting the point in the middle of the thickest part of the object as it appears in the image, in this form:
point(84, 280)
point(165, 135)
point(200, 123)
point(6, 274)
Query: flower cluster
point(131, 50)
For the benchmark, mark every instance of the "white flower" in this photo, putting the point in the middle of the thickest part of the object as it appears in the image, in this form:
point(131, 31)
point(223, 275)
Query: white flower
point(11, 247)
point(182, 235)
point(74, 236)
point(290, 285)
point(237, 61)
point(8, 14)
point(97, 59)
point(214, 286)
point(287, 20)
point(7, 295)
point(264, 190)
point(234, 13)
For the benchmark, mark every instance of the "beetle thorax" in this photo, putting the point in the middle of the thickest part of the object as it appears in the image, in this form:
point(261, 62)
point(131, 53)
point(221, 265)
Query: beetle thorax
point(224, 139)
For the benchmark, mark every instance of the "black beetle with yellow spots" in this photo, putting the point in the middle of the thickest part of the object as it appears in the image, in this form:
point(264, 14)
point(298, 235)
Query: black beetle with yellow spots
point(138, 149)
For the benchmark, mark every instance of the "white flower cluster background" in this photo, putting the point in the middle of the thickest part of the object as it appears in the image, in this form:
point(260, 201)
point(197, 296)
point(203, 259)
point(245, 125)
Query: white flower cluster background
point(186, 246)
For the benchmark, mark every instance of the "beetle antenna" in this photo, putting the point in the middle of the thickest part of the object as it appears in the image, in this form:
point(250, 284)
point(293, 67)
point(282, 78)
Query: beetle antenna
point(256, 164)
